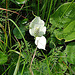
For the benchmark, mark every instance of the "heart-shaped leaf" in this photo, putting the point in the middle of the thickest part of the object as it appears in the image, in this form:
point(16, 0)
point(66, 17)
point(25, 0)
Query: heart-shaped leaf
point(17, 33)
point(64, 20)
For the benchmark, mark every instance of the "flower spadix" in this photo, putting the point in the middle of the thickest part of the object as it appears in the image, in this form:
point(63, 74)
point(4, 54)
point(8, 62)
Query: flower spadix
point(40, 42)
point(37, 28)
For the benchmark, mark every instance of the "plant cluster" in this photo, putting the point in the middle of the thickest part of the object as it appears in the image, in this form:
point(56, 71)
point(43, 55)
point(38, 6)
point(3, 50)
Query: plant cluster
point(37, 37)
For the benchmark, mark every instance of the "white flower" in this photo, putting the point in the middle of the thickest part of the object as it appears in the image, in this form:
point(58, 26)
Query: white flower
point(37, 28)
point(40, 42)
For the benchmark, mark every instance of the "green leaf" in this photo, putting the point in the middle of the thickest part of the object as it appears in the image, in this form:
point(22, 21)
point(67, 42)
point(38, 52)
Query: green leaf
point(65, 22)
point(16, 32)
point(70, 52)
point(17, 67)
point(59, 69)
point(3, 58)
point(62, 21)
point(62, 63)
point(60, 66)
point(67, 33)
point(21, 1)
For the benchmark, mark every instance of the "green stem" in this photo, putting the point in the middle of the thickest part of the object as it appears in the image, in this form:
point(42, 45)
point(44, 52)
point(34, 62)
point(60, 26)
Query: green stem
point(38, 8)
point(23, 68)
point(49, 12)
point(9, 34)
point(7, 69)
point(17, 66)
point(47, 63)
point(20, 33)
point(44, 8)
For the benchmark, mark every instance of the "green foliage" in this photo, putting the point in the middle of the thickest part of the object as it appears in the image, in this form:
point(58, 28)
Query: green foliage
point(22, 28)
point(17, 34)
point(1, 69)
point(59, 56)
point(64, 15)
point(70, 52)
point(67, 33)
point(11, 70)
point(73, 68)
point(64, 21)
point(0, 33)
point(3, 58)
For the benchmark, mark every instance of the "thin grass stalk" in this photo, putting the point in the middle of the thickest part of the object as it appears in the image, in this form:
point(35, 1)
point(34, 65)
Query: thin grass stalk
point(32, 62)
point(54, 4)
point(49, 12)
point(4, 44)
point(44, 8)
point(1, 46)
point(23, 68)
point(7, 69)
point(17, 66)
point(7, 22)
point(47, 63)
point(18, 62)
point(26, 45)
point(38, 8)
point(9, 34)
point(19, 12)
point(6, 38)
point(26, 8)
point(20, 33)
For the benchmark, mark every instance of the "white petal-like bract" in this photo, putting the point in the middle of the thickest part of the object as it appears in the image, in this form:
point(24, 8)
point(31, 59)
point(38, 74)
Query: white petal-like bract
point(40, 42)
point(37, 28)
point(36, 21)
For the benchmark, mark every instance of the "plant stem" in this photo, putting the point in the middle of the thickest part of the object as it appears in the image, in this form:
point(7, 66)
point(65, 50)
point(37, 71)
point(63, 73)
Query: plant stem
point(32, 61)
point(38, 8)
point(47, 63)
point(18, 62)
point(20, 33)
point(49, 12)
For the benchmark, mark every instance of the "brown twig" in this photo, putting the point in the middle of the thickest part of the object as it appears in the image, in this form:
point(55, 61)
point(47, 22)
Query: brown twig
point(32, 62)
point(12, 12)
point(18, 43)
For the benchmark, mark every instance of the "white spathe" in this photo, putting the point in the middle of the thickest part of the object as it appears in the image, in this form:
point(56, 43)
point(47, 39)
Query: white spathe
point(36, 27)
point(40, 42)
